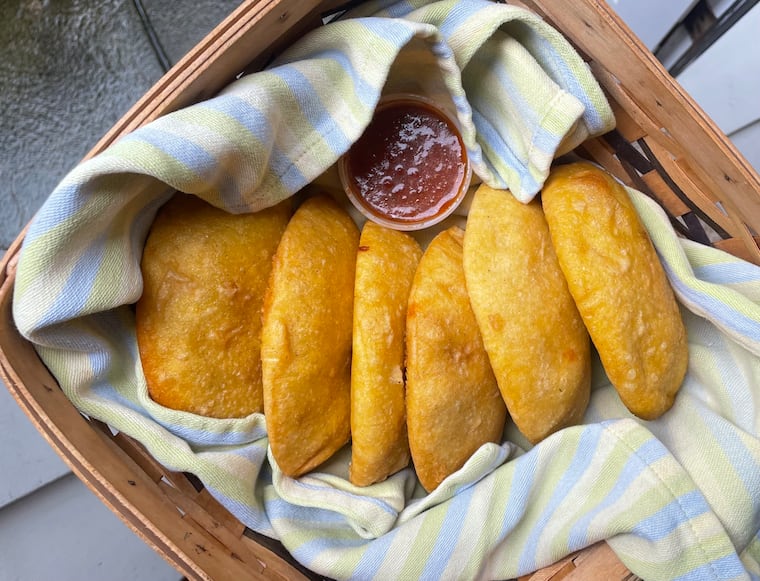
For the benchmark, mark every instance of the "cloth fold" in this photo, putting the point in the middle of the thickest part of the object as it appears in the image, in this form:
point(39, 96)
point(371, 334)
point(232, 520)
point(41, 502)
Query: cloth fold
point(675, 498)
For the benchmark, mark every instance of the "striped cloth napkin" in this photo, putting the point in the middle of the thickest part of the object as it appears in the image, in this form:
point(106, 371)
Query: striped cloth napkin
point(676, 498)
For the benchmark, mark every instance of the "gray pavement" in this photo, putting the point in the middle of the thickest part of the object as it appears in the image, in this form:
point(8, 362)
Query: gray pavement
point(69, 70)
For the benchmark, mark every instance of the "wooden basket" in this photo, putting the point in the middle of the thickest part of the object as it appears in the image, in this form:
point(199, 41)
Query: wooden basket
point(664, 145)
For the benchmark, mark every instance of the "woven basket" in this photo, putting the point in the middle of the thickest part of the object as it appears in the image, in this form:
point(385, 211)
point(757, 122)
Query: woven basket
point(664, 146)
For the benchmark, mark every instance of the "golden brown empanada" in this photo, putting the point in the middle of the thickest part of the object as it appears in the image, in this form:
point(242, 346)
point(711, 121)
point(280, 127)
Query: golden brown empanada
point(385, 268)
point(198, 321)
point(453, 403)
point(306, 336)
point(619, 285)
point(534, 336)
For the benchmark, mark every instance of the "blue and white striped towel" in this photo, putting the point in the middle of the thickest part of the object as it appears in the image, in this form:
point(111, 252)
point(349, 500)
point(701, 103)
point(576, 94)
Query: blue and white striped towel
point(677, 498)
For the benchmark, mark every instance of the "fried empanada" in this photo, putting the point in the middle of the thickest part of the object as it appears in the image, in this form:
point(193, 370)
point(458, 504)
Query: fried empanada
point(619, 285)
point(306, 336)
point(198, 321)
point(385, 268)
point(534, 336)
point(453, 402)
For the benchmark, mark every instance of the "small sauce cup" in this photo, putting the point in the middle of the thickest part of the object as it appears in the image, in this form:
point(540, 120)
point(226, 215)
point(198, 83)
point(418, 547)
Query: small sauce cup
point(409, 169)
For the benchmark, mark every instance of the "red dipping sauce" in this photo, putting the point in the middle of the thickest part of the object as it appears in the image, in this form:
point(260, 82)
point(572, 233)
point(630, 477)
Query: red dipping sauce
point(409, 169)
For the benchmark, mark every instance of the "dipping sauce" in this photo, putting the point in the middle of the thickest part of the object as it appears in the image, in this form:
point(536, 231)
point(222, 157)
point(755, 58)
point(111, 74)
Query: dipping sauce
point(409, 169)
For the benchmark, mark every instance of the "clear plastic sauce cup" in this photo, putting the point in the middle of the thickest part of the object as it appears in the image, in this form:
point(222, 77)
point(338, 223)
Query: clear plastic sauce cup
point(409, 169)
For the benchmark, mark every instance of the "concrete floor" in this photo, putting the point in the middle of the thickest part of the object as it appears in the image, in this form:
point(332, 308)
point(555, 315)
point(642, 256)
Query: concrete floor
point(70, 70)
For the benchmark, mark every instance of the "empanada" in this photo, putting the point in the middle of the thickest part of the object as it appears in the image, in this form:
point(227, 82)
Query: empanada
point(385, 267)
point(306, 336)
point(619, 285)
point(198, 321)
point(534, 336)
point(453, 403)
